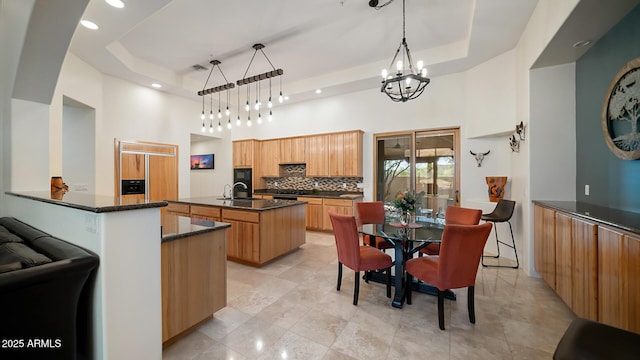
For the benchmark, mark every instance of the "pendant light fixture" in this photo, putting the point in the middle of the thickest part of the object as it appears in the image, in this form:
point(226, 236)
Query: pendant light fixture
point(211, 91)
point(408, 82)
point(246, 80)
point(257, 79)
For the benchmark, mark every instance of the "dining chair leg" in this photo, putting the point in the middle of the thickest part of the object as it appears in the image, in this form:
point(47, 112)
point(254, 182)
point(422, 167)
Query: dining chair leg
point(441, 309)
point(356, 289)
point(407, 288)
point(389, 282)
point(471, 305)
point(339, 275)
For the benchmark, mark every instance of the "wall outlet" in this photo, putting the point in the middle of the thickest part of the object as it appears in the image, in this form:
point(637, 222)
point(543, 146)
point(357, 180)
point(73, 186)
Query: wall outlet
point(586, 190)
point(344, 185)
point(315, 184)
point(81, 187)
point(360, 185)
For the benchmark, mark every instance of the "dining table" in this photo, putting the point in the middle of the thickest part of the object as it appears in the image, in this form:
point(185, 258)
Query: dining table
point(407, 239)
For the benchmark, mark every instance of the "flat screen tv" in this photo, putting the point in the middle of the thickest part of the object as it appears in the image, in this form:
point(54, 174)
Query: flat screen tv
point(202, 162)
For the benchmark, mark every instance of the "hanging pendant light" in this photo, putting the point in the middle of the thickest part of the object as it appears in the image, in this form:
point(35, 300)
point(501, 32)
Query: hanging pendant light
point(211, 91)
point(408, 82)
point(238, 122)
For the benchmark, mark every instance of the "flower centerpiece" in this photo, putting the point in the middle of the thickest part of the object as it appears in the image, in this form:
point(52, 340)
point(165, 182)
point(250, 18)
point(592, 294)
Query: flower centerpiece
point(405, 202)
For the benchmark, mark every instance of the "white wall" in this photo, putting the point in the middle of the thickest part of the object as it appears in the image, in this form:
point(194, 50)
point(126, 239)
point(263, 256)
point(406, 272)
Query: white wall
point(29, 146)
point(78, 148)
point(211, 182)
point(133, 113)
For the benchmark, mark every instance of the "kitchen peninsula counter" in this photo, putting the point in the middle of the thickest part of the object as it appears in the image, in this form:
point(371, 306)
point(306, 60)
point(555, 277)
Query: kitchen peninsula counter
point(193, 272)
point(261, 230)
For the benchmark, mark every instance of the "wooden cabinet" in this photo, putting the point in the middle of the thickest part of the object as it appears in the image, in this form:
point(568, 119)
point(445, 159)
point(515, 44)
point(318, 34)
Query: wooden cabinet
point(246, 154)
point(345, 154)
point(633, 281)
point(314, 219)
point(584, 297)
point(611, 295)
point(194, 281)
point(156, 164)
point(259, 196)
point(244, 237)
point(619, 278)
point(243, 153)
point(545, 244)
point(292, 150)
point(178, 208)
point(596, 268)
point(317, 155)
point(563, 263)
point(205, 212)
point(270, 158)
point(340, 206)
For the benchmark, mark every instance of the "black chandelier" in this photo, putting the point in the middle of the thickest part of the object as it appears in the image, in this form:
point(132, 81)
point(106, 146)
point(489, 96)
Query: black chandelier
point(408, 82)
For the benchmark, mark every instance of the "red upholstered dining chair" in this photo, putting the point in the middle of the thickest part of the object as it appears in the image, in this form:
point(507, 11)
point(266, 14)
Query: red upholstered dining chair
point(456, 267)
point(372, 212)
point(455, 215)
point(355, 256)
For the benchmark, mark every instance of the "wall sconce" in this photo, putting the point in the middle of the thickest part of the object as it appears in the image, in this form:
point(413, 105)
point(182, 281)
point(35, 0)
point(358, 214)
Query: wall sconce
point(520, 130)
point(514, 143)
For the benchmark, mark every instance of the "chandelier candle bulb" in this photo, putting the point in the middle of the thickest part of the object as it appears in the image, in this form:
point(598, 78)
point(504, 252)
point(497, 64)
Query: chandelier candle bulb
point(238, 121)
point(385, 73)
point(420, 65)
point(399, 67)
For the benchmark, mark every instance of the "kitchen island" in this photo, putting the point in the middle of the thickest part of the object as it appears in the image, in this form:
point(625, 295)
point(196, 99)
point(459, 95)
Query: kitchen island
point(261, 230)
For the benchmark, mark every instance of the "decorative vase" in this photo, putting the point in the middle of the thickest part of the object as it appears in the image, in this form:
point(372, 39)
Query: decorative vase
point(405, 217)
point(496, 187)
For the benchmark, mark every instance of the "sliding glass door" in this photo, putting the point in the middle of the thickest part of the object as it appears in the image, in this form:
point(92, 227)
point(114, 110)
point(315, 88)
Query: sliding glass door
point(424, 162)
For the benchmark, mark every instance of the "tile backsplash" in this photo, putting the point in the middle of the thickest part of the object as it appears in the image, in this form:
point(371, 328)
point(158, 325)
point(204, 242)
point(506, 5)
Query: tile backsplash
point(294, 178)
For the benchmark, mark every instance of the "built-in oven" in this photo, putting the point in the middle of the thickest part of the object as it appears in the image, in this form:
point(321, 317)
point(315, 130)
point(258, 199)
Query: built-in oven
point(243, 176)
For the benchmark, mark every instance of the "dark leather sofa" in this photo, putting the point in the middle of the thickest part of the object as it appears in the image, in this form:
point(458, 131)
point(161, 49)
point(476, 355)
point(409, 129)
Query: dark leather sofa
point(45, 295)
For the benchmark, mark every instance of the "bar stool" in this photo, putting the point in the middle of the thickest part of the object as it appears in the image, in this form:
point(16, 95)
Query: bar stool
point(502, 213)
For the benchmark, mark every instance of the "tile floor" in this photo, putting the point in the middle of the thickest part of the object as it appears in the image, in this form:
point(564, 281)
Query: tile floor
point(290, 309)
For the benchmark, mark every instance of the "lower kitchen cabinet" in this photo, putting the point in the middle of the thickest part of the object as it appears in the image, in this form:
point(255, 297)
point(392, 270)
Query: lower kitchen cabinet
point(244, 237)
point(205, 212)
point(596, 267)
point(314, 219)
point(340, 206)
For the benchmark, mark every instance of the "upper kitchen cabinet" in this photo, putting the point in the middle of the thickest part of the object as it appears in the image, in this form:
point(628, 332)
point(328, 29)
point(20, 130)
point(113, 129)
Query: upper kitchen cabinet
point(243, 151)
point(292, 150)
point(270, 158)
point(317, 156)
point(345, 154)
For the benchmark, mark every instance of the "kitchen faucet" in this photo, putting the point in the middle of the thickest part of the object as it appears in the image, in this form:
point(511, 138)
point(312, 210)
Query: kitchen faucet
point(234, 186)
point(224, 191)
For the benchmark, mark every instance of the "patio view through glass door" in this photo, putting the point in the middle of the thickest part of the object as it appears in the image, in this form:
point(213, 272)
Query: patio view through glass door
point(423, 162)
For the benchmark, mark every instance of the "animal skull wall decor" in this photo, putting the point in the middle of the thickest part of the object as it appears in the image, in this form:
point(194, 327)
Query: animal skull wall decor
point(479, 156)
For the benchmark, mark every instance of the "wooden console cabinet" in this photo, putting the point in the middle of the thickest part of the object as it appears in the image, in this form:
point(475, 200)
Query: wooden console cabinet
point(593, 267)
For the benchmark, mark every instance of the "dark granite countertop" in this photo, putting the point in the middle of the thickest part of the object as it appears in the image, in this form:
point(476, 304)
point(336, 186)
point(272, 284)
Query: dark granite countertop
point(176, 227)
point(257, 204)
point(624, 220)
point(90, 202)
point(309, 193)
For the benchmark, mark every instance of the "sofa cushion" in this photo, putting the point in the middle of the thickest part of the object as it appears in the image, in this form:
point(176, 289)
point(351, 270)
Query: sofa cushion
point(22, 230)
point(6, 236)
point(11, 252)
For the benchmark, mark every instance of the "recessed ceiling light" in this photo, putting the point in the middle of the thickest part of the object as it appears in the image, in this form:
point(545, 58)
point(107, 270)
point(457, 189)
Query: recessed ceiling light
point(318, 91)
point(156, 85)
point(89, 25)
point(582, 43)
point(115, 3)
